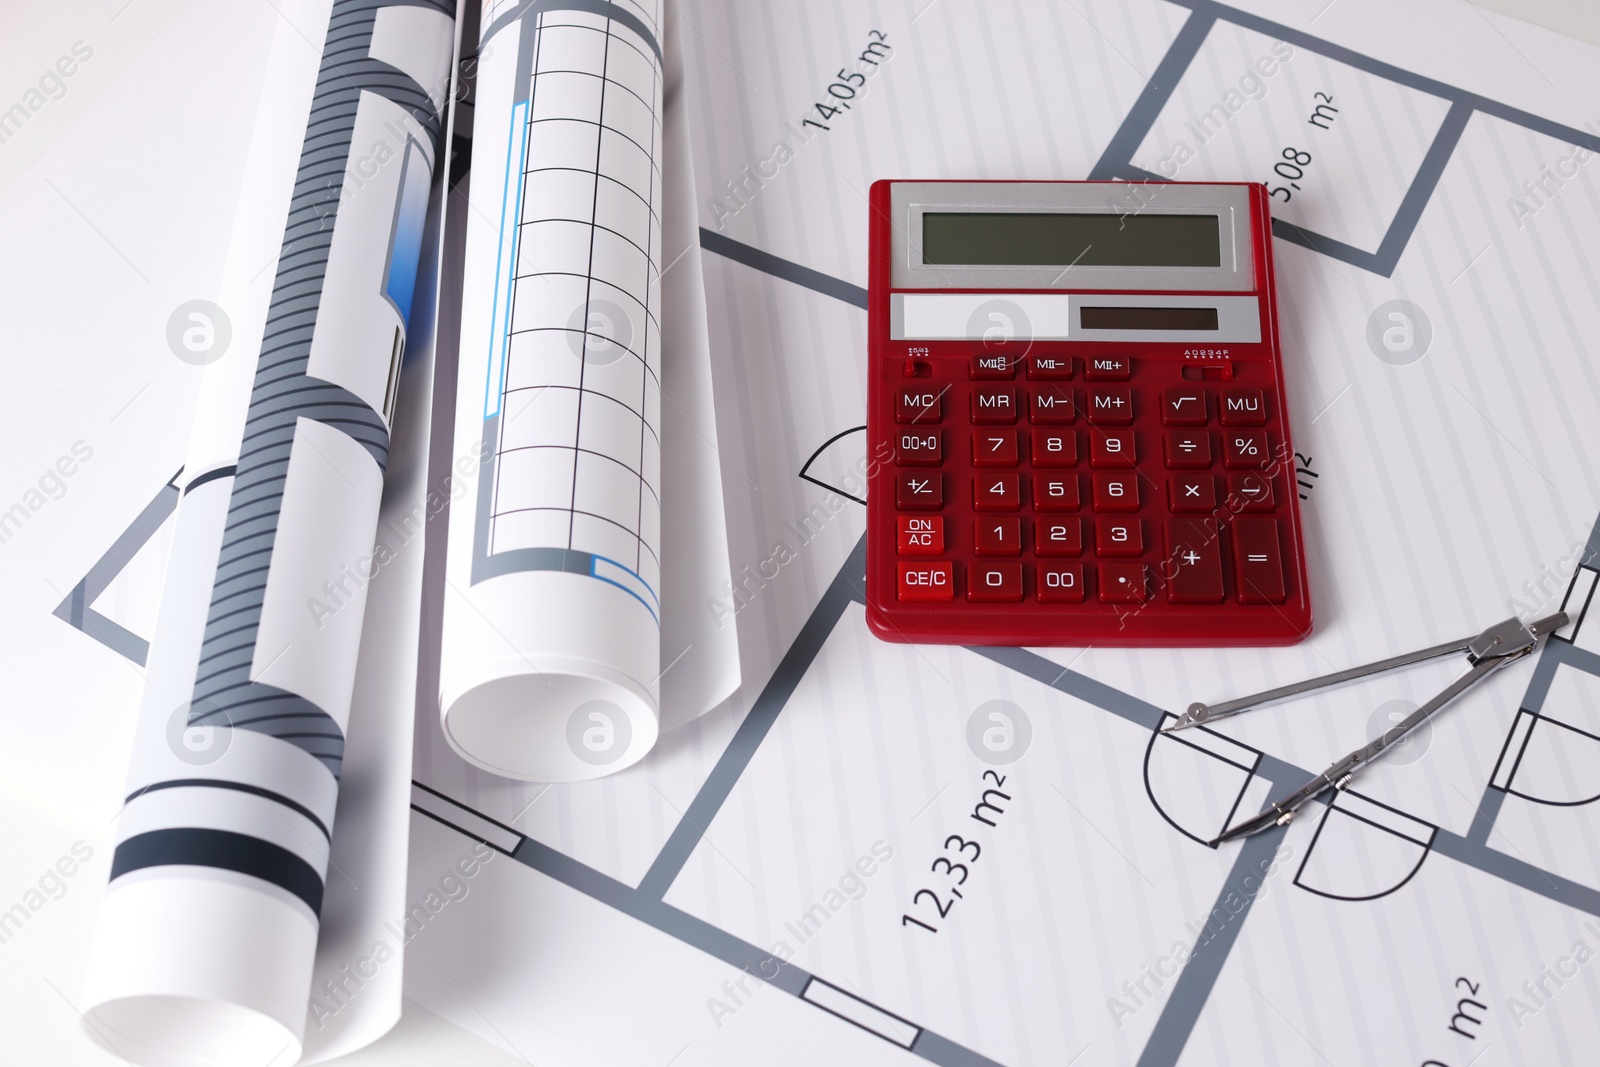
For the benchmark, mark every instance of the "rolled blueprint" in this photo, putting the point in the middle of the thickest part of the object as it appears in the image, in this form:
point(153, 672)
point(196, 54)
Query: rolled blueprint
point(204, 949)
point(551, 655)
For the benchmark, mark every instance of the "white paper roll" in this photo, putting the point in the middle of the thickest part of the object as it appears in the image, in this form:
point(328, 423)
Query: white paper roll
point(204, 949)
point(551, 656)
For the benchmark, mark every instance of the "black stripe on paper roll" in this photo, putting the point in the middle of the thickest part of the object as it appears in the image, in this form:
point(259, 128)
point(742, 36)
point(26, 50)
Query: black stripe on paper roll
point(224, 850)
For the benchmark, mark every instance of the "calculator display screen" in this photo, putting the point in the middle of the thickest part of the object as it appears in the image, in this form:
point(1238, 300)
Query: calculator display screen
point(1033, 239)
point(1148, 318)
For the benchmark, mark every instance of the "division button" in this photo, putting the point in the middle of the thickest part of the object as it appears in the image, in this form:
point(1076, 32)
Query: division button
point(1060, 584)
point(1188, 449)
point(1258, 560)
point(919, 492)
point(1123, 583)
point(1192, 493)
point(1183, 407)
point(994, 583)
point(921, 535)
point(927, 582)
point(1243, 407)
point(1194, 559)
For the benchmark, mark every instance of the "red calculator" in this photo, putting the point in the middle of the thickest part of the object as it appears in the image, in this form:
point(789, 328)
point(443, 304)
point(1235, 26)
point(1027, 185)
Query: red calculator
point(1076, 417)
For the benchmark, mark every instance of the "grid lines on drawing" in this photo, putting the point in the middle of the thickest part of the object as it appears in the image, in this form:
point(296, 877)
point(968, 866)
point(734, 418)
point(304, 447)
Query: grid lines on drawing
point(578, 457)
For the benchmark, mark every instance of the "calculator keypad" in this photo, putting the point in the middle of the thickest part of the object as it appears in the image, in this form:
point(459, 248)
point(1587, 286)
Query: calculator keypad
point(1166, 490)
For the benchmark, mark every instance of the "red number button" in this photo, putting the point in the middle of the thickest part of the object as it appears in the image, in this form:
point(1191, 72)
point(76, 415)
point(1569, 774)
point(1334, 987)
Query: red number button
point(921, 535)
point(1118, 537)
point(997, 537)
point(996, 492)
point(1055, 448)
point(994, 448)
point(1116, 492)
point(927, 581)
point(1112, 448)
point(1060, 585)
point(1055, 493)
point(994, 583)
point(1058, 537)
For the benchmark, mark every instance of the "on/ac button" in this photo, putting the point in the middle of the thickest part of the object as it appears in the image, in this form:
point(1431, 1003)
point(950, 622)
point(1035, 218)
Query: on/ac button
point(921, 535)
